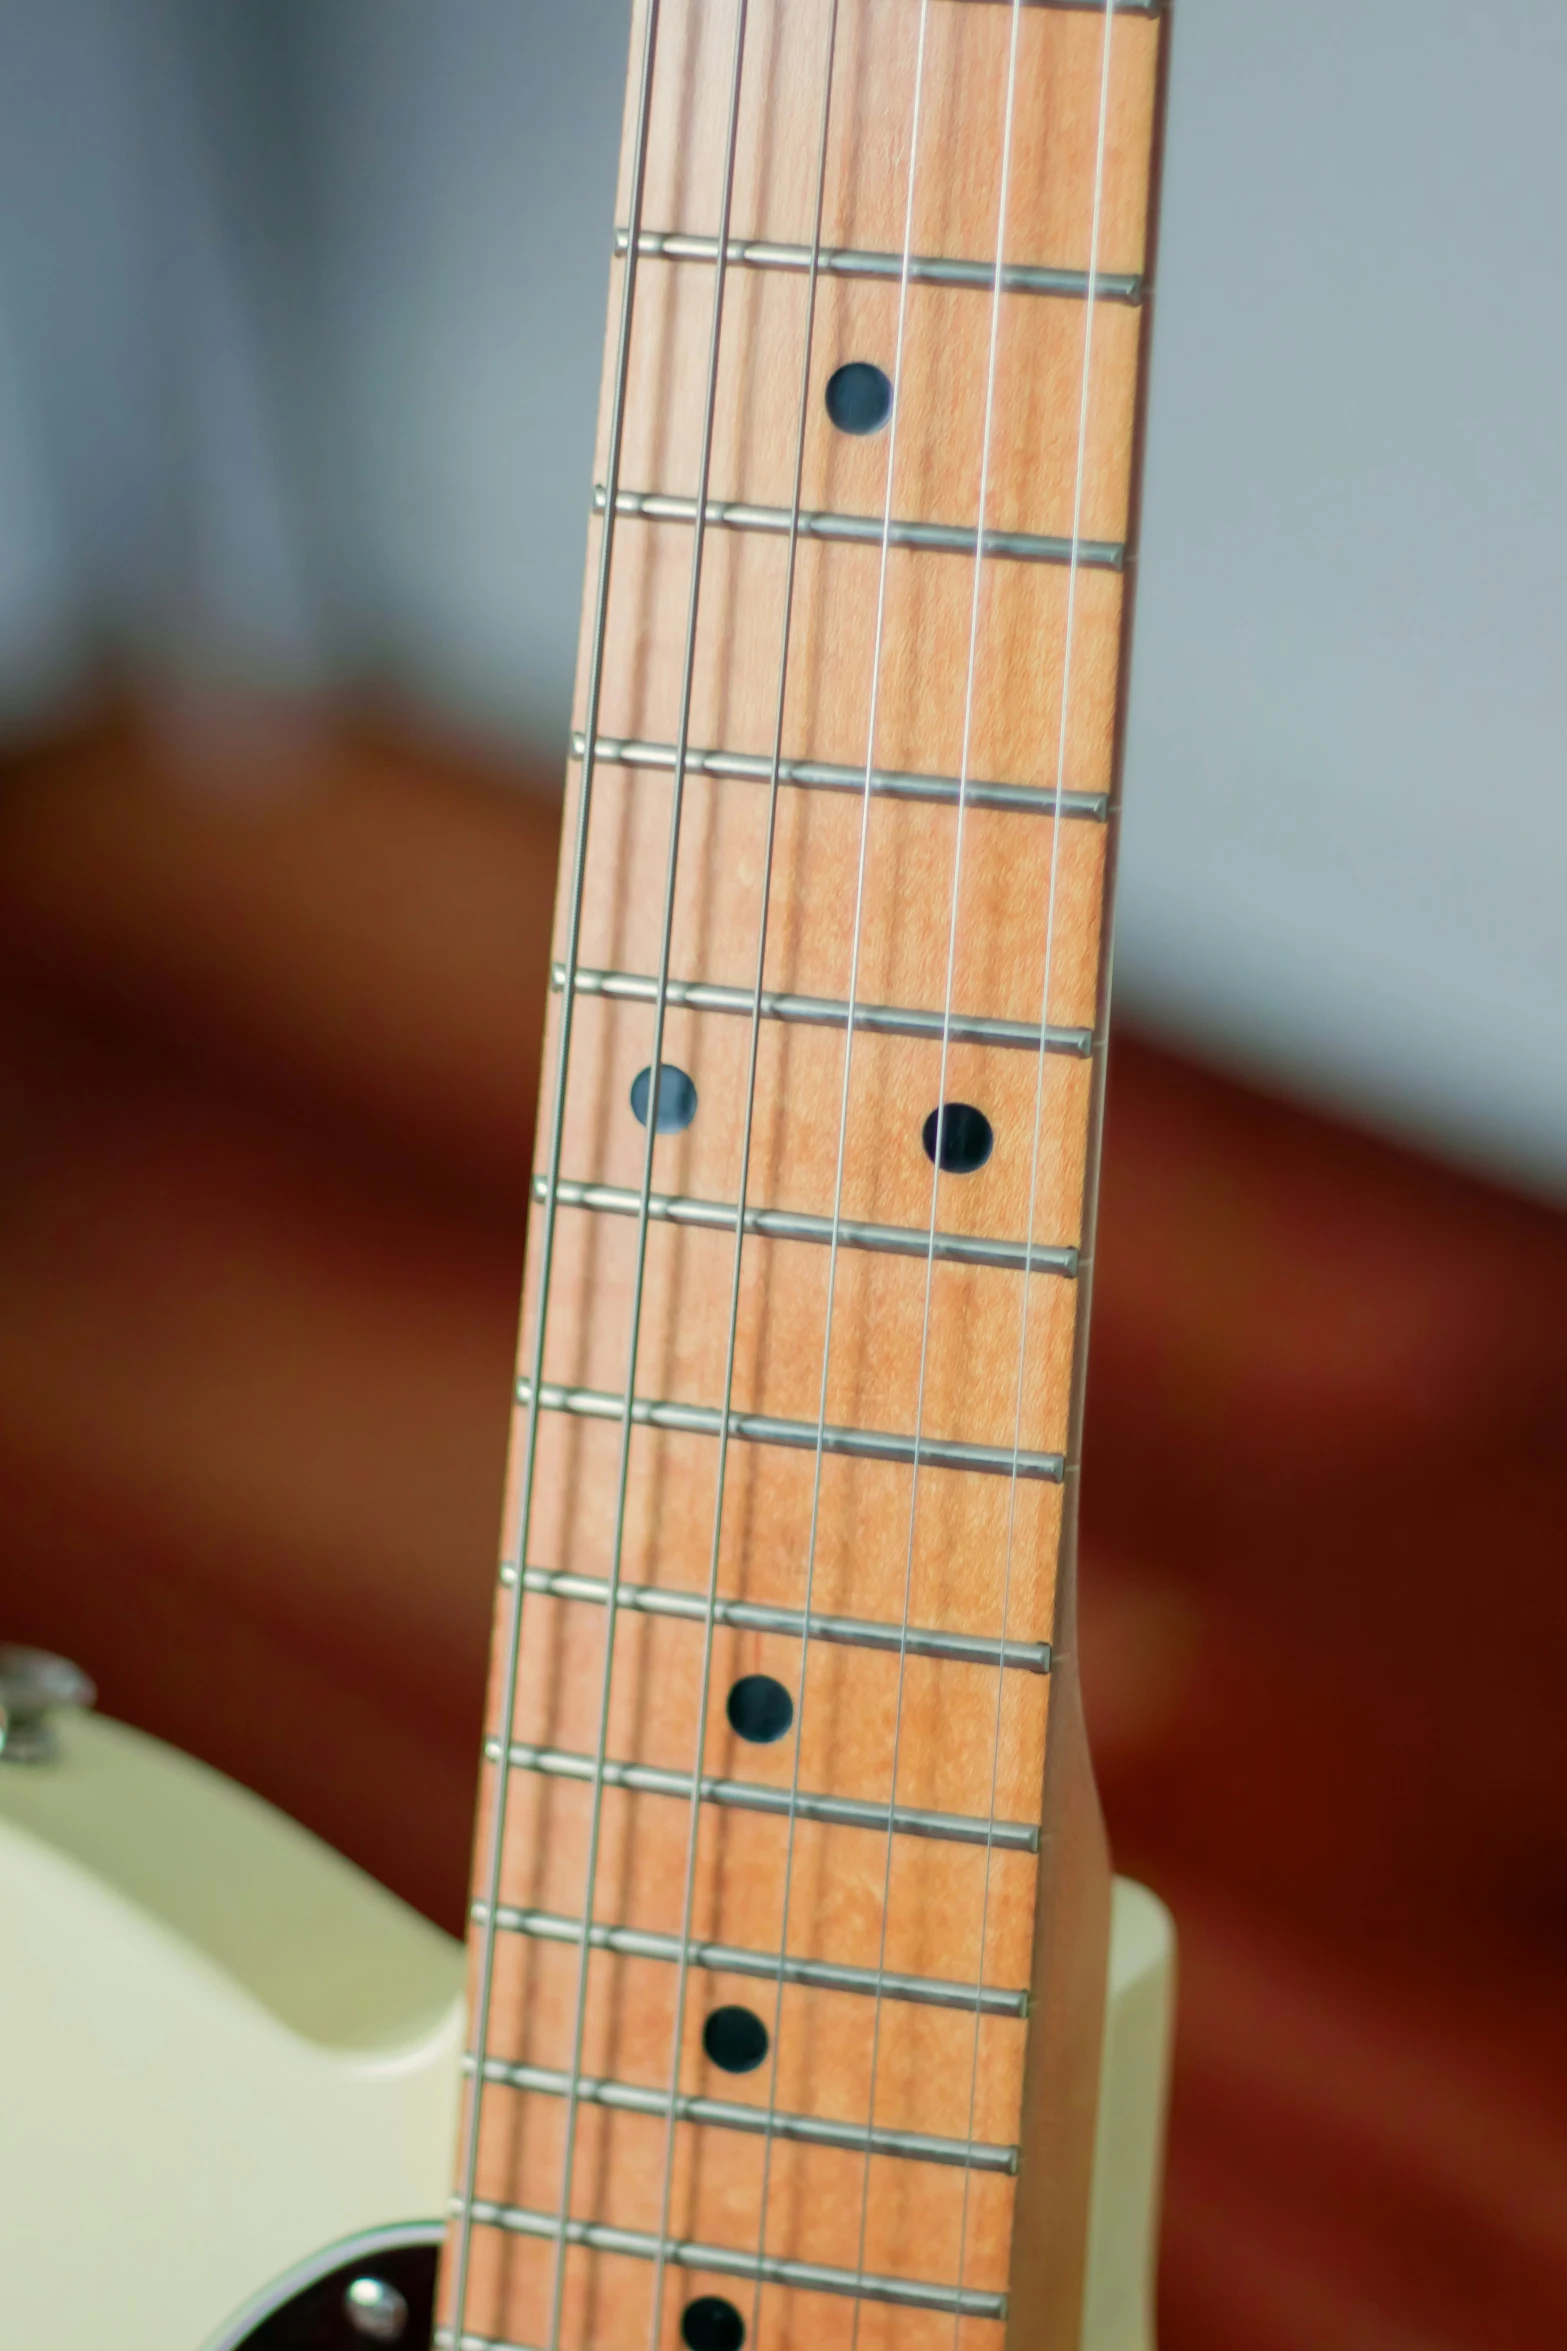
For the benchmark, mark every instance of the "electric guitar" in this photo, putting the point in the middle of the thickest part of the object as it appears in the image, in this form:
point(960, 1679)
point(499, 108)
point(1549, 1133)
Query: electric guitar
point(801, 2005)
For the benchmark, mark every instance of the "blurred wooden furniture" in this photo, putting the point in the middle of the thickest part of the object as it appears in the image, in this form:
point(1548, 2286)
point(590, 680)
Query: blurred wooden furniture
point(271, 1023)
point(269, 1000)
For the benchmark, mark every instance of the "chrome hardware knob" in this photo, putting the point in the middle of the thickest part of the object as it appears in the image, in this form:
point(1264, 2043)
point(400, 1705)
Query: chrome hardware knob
point(375, 2310)
point(32, 1684)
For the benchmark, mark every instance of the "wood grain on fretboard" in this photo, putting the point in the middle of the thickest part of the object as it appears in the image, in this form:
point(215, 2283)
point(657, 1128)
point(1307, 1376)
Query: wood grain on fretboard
point(956, 1550)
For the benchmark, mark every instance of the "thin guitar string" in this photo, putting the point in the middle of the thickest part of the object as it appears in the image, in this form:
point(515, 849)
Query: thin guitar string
point(873, 708)
point(754, 1046)
point(655, 1087)
point(1063, 728)
point(494, 1861)
point(953, 917)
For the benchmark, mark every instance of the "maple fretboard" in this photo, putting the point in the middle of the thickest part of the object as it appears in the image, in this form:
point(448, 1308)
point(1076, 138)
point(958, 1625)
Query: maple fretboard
point(790, 1891)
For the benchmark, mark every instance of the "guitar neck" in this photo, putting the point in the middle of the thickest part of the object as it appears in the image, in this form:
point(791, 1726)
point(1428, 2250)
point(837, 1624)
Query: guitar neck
point(791, 1894)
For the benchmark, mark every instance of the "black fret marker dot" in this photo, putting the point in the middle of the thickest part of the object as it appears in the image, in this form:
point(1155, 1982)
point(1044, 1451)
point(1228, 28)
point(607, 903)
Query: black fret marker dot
point(712, 2324)
point(958, 1137)
point(859, 397)
point(760, 1709)
point(676, 1098)
point(735, 2039)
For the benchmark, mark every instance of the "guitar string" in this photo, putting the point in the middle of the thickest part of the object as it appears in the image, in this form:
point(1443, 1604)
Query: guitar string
point(753, 1052)
point(769, 2136)
point(655, 1090)
point(495, 1854)
point(976, 595)
point(1062, 741)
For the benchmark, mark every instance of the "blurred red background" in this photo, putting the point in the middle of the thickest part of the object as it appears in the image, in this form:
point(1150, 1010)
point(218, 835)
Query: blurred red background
point(269, 995)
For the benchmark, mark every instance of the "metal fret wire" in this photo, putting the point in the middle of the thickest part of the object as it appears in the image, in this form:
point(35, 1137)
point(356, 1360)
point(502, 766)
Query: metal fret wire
point(863, 530)
point(811, 2276)
point(765, 1428)
point(825, 775)
point(827, 1012)
point(484, 1988)
point(853, 1632)
point(823, 1975)
point(971, 672)
point(793, 1224)
point(730, 2114)
point(656, 1779)
point(656, 1062)
point(849, 261)
point(753, 1055)
point(866, 802)
point(1063, 722)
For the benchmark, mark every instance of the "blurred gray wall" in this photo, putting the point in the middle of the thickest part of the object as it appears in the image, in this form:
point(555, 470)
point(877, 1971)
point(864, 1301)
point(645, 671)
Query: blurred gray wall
point(301, 310)
point(302, 380)
point(1346, 837)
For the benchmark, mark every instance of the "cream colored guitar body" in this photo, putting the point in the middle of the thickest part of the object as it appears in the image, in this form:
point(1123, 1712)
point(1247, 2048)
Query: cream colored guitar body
point(230, 2062)
point(223, 2050)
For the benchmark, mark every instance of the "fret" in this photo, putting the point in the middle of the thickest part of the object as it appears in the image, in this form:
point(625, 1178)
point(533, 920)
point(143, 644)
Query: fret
point(959, 1583)
point(724, 2261)
point(821, 1975)
point(938, 336)
point(936, 329)
point(887, 1175)
point(1020, 657)
point(822, 1012)
point(822, 775)
point(763, 1428)
point(868, 530)
point(788, 1224)
point(936, 1925)
point(1050, 212)
point(726, 823)
point(922, 269)
point(661, 1654)
point(845, 1632)
point(847, 1812)
point(811, 2130)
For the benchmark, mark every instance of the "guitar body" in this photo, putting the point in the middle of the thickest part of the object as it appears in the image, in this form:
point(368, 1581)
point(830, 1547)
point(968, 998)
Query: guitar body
point(230, 2058)
point(231, 2068)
